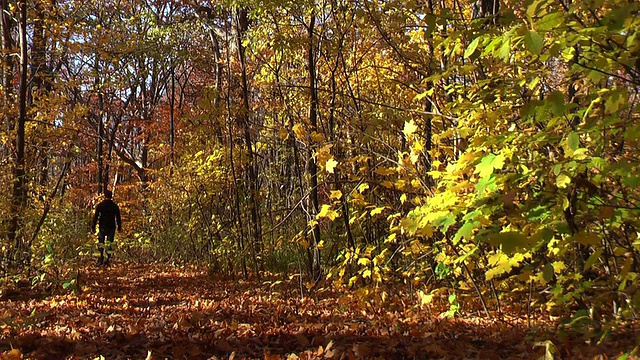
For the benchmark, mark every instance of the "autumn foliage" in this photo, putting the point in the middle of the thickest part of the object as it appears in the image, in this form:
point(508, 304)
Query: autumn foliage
point(423, 159)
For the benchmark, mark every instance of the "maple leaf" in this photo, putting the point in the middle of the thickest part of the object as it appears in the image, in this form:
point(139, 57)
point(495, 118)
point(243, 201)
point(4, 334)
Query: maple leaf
point(326, 211)
point(488, 164)
point(330, 165)
point(409, 128)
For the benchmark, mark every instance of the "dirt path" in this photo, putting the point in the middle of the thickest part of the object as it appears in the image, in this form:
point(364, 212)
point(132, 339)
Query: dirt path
point(132, 311)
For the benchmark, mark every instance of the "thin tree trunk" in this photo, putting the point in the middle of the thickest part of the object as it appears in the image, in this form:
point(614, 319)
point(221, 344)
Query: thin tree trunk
point(172, 127)
point(19, 198)
point(48, 200)
point(100, 115)
point(219, 68)
point(336, 177)
point(313, 166)
point(241, 27)
point(241, 240)
point(7, 68)
point(41, 75)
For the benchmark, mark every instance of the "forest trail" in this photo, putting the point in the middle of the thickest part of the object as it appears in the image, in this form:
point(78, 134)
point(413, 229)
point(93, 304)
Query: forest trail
point(134, 311)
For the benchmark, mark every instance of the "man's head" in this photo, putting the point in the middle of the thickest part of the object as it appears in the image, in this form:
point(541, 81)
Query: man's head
point(108, 194)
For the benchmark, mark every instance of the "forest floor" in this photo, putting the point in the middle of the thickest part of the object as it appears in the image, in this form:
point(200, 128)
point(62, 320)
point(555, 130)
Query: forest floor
point(134, 311)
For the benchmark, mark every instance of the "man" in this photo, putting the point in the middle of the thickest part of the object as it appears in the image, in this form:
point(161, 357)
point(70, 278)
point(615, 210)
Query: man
point(108, 214)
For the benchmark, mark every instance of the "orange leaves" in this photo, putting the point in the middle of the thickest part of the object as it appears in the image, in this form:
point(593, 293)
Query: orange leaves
point(157, 312)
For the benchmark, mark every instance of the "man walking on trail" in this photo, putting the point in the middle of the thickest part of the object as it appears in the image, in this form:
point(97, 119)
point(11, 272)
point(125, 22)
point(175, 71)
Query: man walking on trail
point(107, 216)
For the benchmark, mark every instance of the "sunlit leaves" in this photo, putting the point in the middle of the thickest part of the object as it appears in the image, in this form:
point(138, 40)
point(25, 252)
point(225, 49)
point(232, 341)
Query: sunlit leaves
point(563, 180)
point(330, 165)
point(409, 128)
point(488, 164)
point(500, 264)
point(327, 212)
point(465, 231)
point(473, 45)
point(442, 143)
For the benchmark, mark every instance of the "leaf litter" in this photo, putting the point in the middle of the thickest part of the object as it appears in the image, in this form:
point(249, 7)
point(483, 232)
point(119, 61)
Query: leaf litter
point(133, 311)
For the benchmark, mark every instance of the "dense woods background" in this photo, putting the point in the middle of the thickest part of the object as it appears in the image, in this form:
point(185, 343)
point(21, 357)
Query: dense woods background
point(468, 152)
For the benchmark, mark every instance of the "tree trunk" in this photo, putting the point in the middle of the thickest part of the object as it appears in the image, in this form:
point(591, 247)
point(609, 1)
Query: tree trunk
point(100, 115)
point(172, 110)
point(19, 197)
point(485, 8)
point(7, 68)
point(242, 25)
point(313, 165)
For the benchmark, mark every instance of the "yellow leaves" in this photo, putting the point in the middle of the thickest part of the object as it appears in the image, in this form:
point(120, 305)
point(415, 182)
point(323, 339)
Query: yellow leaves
point(335, 195)
point(423, 95)
point(300, 132)
point(558, 266)
point(502, 264)
point(562, 181)
point(409, 128)
point(330, 165)
point(327, 212)
point(317, 137)
point(283, 134)
point(325, 159)
point(424, 299)
point(380, 259)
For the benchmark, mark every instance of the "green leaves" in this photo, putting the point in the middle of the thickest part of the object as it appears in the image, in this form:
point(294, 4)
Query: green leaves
point(488, 164)
point(573, 141)
point(472, 47)
point(533, 42)
point(550, 21)
point(466, 231)
point(505, 50)
point(536, 8)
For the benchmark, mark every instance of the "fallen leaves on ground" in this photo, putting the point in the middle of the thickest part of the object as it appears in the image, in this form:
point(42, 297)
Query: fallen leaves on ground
point(130, 311)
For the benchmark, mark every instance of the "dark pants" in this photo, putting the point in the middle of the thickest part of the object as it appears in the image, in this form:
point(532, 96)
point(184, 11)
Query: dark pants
point(109, 235)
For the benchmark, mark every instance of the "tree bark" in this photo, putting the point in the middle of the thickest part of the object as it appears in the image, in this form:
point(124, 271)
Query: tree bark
point(19, 196)
point(100, 115)
point(7, 67)
point(313, 165)
point(242, 25)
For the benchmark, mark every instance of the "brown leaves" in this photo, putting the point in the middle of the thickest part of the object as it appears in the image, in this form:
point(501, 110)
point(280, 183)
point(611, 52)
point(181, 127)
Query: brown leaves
point(155, 313)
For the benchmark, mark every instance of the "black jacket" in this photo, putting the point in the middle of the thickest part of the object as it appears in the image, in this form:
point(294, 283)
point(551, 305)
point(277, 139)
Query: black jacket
point(108, 213)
